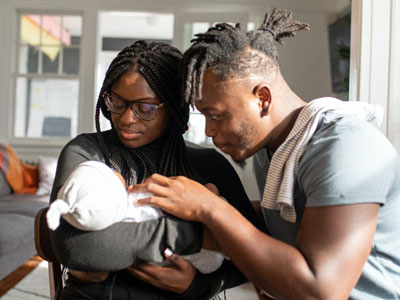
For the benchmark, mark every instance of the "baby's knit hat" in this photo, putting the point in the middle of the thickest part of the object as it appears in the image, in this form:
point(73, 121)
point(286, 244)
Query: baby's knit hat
point(92, 198)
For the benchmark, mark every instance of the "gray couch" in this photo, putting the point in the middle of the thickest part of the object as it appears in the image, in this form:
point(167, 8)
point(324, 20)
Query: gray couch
point(17, 214)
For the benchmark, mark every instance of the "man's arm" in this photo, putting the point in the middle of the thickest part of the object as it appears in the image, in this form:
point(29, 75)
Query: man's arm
point(212, 167)
point(332, 246)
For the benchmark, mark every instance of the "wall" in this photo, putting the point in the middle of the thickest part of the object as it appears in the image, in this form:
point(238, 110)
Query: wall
point(375, 60)
point(304, 61)
point(394, 86)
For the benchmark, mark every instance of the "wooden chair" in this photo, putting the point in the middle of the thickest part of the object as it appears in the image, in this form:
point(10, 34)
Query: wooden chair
point(45, 251)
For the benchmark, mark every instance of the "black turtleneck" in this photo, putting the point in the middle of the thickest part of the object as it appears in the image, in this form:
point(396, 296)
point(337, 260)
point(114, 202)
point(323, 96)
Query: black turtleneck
point(123, 244)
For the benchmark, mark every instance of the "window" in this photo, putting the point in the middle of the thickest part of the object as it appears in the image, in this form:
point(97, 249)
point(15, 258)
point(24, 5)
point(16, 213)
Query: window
point(196, 131)
point(47, 77)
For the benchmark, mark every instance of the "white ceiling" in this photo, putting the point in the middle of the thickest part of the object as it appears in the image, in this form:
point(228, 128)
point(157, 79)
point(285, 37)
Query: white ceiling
point(128, 23)
point(136, 25)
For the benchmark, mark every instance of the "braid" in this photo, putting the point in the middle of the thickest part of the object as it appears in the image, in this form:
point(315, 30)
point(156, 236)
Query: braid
point(158, 63)
point(281, 23)
point(231, 51)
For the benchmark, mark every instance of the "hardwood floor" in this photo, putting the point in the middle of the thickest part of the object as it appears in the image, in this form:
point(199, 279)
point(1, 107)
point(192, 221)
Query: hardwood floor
point(245, 291)
point(12, 279)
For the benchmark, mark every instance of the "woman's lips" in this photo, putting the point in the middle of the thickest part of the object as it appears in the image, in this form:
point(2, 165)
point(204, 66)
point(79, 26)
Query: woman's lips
point(129, 135)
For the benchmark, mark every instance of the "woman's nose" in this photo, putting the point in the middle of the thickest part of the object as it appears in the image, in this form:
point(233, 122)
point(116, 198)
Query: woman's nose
point(128, 116)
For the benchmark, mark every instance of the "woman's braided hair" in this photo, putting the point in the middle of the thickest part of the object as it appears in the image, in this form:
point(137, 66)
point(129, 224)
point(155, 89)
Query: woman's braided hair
point(158, 63)
point(233, 52)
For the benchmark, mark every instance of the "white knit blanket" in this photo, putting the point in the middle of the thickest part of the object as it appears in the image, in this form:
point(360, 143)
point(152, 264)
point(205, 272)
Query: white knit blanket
point(279, 186)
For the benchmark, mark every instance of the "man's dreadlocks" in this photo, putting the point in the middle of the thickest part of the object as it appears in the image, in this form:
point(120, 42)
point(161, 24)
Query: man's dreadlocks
point(233, 52)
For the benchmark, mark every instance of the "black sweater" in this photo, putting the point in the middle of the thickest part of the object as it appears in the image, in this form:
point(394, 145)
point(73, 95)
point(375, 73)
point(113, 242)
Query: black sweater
point(123, 244)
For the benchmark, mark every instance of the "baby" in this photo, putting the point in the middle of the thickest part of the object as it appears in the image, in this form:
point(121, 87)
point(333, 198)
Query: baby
point(94, 197)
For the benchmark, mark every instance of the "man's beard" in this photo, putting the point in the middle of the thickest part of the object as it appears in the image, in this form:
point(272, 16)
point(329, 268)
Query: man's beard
point(246, 133)
point(241, 163)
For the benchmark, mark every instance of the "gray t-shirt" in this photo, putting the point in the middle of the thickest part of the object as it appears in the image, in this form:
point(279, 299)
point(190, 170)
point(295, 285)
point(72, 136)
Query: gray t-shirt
point(348, 161)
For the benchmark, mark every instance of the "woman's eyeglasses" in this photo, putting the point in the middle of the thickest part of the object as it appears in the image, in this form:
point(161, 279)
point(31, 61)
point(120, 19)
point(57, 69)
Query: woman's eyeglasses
point(142, 110)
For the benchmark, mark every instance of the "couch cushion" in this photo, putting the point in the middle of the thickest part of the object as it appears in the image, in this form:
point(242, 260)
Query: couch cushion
point(25, 204)
point(15, 230)
point(5, 188)
point(47, 172)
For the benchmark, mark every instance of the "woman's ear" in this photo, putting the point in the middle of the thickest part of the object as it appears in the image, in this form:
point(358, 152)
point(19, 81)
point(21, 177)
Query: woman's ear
point(263, 94)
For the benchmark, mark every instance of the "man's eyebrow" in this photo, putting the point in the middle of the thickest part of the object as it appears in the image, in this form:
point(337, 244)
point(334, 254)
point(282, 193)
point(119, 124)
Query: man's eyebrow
point(207, 109)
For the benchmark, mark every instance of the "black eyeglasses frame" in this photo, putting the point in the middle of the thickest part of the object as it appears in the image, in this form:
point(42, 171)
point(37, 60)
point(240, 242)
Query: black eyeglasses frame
point(130, 104)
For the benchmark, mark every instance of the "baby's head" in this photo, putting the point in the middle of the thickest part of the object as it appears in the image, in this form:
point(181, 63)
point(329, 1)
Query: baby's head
point(120, 177)
point(92, 198)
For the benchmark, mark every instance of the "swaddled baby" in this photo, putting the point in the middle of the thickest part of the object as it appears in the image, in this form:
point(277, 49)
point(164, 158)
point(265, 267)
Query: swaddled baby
point(94, 197)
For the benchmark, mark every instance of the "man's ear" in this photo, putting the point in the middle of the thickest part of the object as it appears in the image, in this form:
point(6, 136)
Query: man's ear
point(263, 93)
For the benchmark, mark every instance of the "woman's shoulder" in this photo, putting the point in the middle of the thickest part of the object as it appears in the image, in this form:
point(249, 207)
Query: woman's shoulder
point(197, 151)
point(83, 138)
point(85, 144)
point(87, 139)
point(202, 156)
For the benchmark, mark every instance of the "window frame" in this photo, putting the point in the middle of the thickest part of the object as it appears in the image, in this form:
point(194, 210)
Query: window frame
point(179, 41)
point(16, 74)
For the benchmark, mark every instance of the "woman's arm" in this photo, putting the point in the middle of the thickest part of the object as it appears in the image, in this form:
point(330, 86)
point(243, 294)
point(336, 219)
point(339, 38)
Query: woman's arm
point(197, 287)
point(120, 245)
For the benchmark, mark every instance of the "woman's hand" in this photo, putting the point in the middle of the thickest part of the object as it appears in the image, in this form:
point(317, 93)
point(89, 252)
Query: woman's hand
point(211, 187)
point(89, 276)
point(179, 196)
point(176, 276)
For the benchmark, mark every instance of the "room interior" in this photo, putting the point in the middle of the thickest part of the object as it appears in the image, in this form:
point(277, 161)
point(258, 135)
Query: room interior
point(36, 128)
point(102, 28)
point(305, 60)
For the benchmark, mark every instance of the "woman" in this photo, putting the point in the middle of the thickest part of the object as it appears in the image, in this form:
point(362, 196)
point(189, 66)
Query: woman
point(141, 98)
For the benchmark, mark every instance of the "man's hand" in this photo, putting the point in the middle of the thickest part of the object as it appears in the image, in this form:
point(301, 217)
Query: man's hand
point(176, 277)
point(179, 196)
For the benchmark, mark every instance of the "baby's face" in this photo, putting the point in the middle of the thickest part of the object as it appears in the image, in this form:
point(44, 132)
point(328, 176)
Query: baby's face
point(120, 177)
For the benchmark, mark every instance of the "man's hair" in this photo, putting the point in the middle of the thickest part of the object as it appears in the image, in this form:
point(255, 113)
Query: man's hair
point(158, 63)
point(233, 52)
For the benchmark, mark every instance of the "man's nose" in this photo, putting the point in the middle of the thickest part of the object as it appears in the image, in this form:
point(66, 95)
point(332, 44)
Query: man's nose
point(210, 129)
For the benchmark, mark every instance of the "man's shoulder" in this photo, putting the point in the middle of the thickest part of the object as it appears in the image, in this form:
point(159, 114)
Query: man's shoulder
point(332, 122)
point(345, 149)
point(344, 143)
point(338, 129)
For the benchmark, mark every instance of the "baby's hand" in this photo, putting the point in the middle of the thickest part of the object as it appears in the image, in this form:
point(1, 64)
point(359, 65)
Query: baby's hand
point(212, 188)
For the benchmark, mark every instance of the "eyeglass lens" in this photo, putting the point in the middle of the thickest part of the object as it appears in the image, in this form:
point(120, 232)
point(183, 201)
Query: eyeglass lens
point(142, 110)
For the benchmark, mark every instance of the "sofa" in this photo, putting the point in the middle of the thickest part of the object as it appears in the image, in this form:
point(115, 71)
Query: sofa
point(17, 214)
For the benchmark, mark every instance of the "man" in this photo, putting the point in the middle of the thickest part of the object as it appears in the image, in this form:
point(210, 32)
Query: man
point(331, 202)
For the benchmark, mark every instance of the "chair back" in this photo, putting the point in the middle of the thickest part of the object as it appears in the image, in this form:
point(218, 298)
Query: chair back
point(45, 250)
